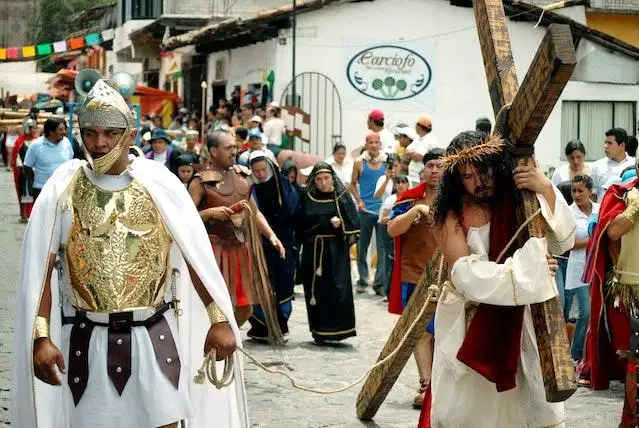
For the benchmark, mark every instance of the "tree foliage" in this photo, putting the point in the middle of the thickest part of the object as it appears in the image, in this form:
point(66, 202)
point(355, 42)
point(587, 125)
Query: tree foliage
point(54, 19)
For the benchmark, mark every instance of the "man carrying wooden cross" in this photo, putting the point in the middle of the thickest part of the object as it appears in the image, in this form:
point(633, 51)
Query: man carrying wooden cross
point(486, 369)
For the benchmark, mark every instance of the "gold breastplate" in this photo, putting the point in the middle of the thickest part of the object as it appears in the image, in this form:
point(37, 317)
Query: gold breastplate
point(629, 258)
point(118, 248)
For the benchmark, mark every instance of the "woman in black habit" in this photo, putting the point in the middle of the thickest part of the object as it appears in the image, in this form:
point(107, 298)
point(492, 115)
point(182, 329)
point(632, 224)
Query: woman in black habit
point(329, 225)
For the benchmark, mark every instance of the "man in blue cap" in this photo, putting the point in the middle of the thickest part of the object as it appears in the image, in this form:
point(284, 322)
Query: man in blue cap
point(255, 140)
point(163, 151)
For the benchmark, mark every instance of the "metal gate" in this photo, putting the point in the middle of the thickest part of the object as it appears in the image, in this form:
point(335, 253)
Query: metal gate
point(317, 95)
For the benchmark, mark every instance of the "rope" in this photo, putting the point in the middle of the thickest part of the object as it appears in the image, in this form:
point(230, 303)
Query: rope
point(208, 369)
point(512, 240)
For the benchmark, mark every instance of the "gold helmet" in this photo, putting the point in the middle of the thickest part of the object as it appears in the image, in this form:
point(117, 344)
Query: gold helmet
point(104, 107)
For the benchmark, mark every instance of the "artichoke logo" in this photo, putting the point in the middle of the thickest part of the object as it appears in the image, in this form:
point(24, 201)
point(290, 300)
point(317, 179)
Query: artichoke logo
point(389, 73)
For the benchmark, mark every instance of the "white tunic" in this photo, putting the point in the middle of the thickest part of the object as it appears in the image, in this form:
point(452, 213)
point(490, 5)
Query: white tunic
point(461, 397)
point(146, 402)
point(148, 388)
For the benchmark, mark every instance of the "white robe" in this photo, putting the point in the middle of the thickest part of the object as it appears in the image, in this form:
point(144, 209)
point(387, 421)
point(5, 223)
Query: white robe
point(461, 397)
point(35, 404)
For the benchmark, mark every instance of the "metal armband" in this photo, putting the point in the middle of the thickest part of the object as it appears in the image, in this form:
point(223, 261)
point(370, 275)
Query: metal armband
point(41, 328)
point(215, 313)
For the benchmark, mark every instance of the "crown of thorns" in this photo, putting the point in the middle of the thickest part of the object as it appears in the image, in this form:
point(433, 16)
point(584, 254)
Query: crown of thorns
point(492, 146)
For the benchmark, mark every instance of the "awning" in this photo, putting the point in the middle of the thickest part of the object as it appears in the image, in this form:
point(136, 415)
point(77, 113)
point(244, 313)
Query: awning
point(240, 32)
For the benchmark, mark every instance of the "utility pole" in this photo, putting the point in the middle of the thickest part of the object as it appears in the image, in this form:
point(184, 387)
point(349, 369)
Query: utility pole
point(294, 22)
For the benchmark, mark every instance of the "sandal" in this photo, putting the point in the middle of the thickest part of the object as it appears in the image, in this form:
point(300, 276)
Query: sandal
point(583, 382)
point(421, 393)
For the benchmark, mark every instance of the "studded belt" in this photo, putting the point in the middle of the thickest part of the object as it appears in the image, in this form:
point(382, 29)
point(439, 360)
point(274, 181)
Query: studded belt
point(119, 347)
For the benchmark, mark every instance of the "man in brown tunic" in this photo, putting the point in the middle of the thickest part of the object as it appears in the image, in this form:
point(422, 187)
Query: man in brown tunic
point(223, 194)
point(415, 244)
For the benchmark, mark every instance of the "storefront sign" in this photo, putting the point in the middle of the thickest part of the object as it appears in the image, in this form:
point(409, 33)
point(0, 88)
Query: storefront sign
point(390, 73)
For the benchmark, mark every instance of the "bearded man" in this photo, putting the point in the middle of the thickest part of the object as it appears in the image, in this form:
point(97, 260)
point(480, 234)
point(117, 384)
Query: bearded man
point(223, 194)
point(96, 343)
point(486, 369)
point(612, 270)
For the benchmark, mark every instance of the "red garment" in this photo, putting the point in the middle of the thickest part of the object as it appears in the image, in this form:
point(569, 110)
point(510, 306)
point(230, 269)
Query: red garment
point(25, 207)
point(493, 341)
point(424, 416)
point(395, 298)
point(609, 328)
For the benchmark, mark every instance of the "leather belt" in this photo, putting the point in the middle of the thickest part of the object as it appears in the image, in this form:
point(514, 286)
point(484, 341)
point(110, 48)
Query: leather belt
point(119, 348)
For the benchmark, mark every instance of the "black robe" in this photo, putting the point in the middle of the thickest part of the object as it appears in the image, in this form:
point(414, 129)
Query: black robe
point(326, 272)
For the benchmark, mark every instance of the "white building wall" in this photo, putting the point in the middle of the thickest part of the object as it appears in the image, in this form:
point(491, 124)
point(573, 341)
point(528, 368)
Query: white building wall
point(330, 37)
point(243, 66)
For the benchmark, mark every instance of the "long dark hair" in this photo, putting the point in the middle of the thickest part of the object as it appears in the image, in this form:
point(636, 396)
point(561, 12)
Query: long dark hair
point(451, 187)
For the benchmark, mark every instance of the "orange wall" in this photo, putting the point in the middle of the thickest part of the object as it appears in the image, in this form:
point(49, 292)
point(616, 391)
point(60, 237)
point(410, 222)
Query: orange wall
point(623, 27)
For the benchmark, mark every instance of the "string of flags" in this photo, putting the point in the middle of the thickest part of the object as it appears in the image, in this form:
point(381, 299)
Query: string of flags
point(43, 49)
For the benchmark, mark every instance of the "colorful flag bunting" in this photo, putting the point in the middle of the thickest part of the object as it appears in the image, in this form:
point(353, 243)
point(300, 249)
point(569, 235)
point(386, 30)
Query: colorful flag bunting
point(60, 46)
point(92, 39)
point(76, 43)
point(44, 49)
point(28, 51)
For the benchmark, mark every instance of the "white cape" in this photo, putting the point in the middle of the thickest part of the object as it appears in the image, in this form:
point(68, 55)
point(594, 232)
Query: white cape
point(33, 403)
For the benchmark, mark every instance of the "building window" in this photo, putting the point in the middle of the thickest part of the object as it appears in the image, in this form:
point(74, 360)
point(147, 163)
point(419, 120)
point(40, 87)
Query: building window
point(588, 121)
point(141, 9)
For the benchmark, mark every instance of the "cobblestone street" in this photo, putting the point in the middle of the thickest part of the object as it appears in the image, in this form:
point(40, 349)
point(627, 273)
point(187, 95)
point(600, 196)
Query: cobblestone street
point(273, 403)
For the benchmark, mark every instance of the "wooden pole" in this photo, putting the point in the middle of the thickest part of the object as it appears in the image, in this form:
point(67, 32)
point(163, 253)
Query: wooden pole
point(379, 383)
point(203, 121)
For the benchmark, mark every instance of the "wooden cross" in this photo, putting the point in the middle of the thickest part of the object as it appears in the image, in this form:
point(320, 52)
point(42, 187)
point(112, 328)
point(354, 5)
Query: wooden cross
point(521, 113)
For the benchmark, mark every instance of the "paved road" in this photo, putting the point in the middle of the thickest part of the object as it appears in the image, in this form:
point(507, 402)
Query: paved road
point(272, 402)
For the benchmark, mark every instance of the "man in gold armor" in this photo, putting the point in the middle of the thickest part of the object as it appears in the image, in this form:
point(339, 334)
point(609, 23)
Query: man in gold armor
point(223, 194)
point(114, 337)
point(612, 270)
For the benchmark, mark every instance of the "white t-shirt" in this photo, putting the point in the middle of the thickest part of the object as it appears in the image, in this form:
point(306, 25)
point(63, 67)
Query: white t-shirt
point(605, 169)
point(421, 145)
point(343, 171)
point(387, 140)
point(562, 174)
point(387, 205)
point(273, 130)
point(160, 157)
point(577, 258)
point(389, 186)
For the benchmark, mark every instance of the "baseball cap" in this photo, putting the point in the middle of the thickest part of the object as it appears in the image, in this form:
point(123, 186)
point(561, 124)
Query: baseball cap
point(376, 115)
point(425, 121)
point(256, 118)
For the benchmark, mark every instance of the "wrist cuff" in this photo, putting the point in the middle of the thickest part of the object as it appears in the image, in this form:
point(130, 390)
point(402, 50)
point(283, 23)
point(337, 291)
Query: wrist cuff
point(41, 328)
point(215, 313)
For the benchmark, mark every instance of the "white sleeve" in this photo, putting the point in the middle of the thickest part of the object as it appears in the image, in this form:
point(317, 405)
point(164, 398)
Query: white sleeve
point(522, 279)
point(561, 224)
point(556, 177)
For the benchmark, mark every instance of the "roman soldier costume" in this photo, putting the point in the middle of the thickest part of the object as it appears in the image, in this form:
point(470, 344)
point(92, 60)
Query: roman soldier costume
point(122, 244)
point(237, 243)
point(612, 269)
